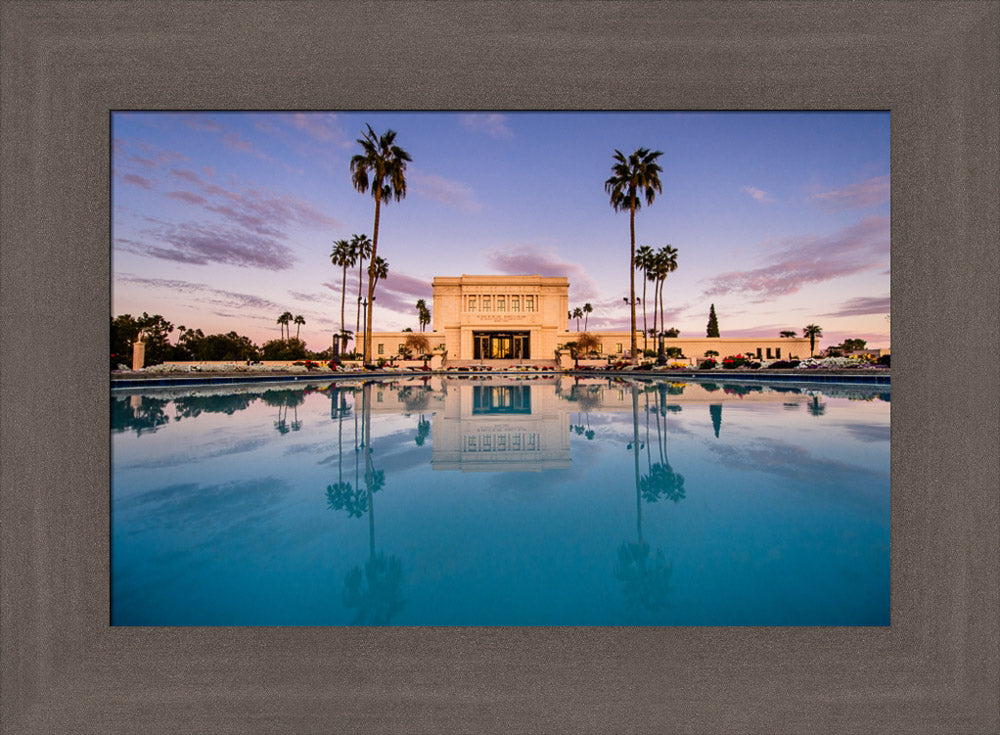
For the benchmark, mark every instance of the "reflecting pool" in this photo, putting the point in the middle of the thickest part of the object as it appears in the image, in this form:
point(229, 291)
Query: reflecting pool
point(500, 500)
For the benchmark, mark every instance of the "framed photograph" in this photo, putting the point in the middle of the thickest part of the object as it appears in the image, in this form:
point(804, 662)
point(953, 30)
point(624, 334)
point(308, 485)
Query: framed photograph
point(925, 661)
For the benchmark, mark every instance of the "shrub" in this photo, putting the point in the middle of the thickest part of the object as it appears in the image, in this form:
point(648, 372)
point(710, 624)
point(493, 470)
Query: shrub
point(884, 360)
point(708, 364)
point(734, 361)
point(783, 364)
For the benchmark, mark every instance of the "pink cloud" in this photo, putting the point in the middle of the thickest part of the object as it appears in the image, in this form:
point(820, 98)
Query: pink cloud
point(186, 196)
point(200, 245)
point(322, 127)
point(860, 195)
point(139, 181)
point(444, 190)
point(863, 305)
point(186, 174)
point(204, 123)
point(529, 260)
point(804, 260)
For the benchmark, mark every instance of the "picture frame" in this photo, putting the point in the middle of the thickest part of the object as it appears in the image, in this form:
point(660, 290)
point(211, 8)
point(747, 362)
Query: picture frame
point(66, 65)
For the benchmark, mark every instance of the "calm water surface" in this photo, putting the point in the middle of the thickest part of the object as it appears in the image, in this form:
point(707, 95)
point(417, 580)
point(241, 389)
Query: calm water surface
point(501, 501)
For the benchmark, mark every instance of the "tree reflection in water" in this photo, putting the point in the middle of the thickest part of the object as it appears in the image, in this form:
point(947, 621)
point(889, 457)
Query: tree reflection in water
point(645, 579)
point(373, 590)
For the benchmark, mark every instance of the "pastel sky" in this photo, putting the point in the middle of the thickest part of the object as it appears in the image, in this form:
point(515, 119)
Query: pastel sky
point(222, 221)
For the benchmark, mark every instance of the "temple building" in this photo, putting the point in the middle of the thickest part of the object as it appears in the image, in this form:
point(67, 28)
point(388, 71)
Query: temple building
point(525, 319)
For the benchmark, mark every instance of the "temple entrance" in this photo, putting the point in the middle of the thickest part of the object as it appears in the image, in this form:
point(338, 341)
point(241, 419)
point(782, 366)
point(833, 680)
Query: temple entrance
point(501, 345)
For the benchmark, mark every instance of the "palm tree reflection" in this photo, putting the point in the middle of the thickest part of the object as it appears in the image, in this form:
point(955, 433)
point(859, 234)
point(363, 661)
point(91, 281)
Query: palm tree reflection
point(645, 574)
point(374, 589)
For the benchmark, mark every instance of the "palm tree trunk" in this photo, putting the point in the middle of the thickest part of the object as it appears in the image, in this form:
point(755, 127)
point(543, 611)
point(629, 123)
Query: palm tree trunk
point(645, 329)
point(631, 276)
point(343, 301)
point(371, 283)
point(635, 461)
point(357, 326)
point(662, 284)
point(367, 437)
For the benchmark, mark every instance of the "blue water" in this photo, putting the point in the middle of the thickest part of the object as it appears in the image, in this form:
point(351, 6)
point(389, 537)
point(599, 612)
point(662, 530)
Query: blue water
point(501, 501)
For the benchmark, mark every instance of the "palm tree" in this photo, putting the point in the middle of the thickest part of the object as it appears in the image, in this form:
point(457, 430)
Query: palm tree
point(812, 332)
point(665, 264)
point(578, 315)
point(284, 320)
point(382, 165)
point(633, 177)
point(299, 321)
point(587, 311)
point(421, 312)
point(343, 255)
point(378, 269)
point(361, 248)
point(425, 317)
point(644, 262)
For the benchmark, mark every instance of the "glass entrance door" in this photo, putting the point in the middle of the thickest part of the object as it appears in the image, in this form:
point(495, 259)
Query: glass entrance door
point(500, 345)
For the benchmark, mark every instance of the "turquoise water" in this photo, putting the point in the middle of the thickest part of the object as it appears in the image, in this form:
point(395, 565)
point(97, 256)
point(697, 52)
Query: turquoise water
point(500, 501)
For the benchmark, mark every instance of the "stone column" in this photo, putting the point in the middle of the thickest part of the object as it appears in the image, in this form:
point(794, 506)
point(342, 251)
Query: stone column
point(138, 354)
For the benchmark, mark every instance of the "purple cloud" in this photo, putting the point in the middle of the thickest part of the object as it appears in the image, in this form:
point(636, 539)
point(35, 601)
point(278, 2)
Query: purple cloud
point(757, 194)
point(805, 260)
point(139, 181)
point(198, 245)
point(186, 196)
point(322, 127)
point(204, 123)
point(860, 195)
point(862, 305)
point(529, 260)
point(228, 299)
point(443, 190)
point(493, 124)
point(186, 174)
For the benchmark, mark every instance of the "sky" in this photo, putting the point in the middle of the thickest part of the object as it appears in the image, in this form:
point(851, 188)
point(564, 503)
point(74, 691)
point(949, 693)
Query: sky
point(224, 220)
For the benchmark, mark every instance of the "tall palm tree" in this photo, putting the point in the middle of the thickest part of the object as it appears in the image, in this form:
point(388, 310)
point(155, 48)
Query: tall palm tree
point(421, 311)
point(644, 262)
point(665, 264)
point(284, 321)
point(345, 256)
point(632, 179)
point(382, 165)
point(812, 332)
point(299, 321)
point(361, 247)
point(587, 311)
point(578, 315)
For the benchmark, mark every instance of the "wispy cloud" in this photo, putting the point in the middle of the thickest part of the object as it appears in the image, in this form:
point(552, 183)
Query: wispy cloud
point(206, 293)
point(529, 260)
point(443, 190)
point(491, 123)
point(860, 195)
point(200, 245)
point(862, 305)
point(186, 196)
point(805, 260)
point(207, 124)
point(140, 181)
point(757, 194)
point(322, 127)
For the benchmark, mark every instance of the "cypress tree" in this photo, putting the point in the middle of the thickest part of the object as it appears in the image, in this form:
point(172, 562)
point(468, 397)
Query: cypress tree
point(713, 323)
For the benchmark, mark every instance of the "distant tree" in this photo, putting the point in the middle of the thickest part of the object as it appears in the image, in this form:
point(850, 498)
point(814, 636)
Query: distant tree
point(664, 263)
point(854, 345)
point(633, 179)
point(344, 256)
point(672, 332)
point(284, 320)
point(587, 343)
point(416, 344)
point(284, 349)
point(361, 247)
point(299, 321)
point(423, 314)
point(787, 333)
point(713, 323)
point(644, 262)
point(813, 332)
point(587, 311)
point(711, 353)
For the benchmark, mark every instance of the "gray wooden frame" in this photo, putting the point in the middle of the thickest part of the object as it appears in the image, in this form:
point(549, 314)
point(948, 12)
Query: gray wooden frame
point(65, 65)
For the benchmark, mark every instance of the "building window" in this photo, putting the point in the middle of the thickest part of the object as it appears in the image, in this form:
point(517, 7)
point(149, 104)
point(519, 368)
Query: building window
point(777, 352)
point(618, 348)
point(529, 303)
point(378, 397)
point(381, 349)
point(515, 303)
point(501, 303)
point(758, 353)
point(472, 303)
point(600, 348)
point(768, 353)
point(486, 303)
